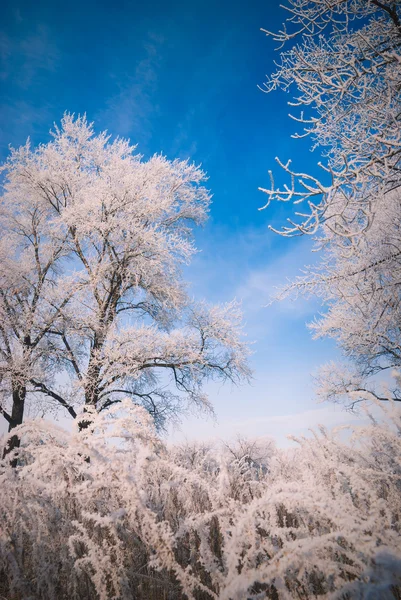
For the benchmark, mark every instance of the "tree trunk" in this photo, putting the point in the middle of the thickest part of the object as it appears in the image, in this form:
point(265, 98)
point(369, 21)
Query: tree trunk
point(17, 415)
point(93, 377)
point(93, 380)
point(92, 386)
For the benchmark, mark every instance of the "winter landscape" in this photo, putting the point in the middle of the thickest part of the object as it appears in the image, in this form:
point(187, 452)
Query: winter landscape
point(200, 305)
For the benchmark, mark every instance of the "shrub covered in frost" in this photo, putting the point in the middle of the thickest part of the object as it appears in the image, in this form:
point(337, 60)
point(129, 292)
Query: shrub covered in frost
point(111, 512)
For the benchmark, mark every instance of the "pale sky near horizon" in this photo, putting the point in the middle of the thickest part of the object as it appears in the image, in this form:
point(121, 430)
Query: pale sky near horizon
point(181, 78)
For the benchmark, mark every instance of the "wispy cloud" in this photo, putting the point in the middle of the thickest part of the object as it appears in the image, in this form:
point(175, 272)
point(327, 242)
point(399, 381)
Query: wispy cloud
point(26, 60)
point(278, 427)
point(129, 111)
point(248, 265)
point(20, 119)
point(23, 59)
point(205, 104)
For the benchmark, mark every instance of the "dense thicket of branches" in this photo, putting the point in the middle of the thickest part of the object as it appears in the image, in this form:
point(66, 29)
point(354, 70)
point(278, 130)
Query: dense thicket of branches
point(343, 65)
point(139, 520)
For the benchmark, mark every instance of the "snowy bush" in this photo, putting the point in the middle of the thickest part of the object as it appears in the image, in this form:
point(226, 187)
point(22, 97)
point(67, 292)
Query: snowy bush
point(111, 512)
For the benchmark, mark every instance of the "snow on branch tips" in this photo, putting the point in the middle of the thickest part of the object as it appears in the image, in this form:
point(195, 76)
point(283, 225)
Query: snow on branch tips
point(343, 67)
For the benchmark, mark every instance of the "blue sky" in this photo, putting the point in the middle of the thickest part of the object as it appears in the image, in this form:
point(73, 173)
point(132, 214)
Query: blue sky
point(181, 78)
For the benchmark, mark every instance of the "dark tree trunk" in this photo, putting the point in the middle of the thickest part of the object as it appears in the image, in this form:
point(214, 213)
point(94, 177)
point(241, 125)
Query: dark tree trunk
point(92, 387)
point(93, 380)
point(17, 415)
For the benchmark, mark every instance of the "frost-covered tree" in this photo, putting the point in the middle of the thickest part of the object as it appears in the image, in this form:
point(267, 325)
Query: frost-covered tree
point(361, 286)
point(344, 65)
point(128, 326)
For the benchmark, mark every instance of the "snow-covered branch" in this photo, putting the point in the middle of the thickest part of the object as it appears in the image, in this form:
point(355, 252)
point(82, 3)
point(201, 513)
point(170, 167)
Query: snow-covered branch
point(345, 73)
